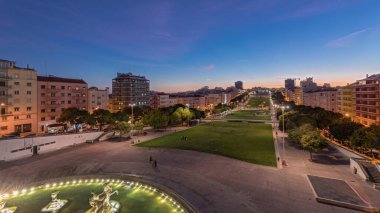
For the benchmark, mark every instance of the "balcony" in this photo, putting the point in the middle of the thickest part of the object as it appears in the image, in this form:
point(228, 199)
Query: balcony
point(367, 92)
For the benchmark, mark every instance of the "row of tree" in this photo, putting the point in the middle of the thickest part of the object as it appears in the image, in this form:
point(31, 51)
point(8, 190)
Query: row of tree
point(303, 120)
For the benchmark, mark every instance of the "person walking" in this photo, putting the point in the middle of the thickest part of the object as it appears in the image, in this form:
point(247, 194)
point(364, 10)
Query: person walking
point(150, 159)
point(155, 164)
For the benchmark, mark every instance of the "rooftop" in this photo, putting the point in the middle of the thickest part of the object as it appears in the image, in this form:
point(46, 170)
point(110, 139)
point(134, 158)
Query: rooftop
point(52, 78)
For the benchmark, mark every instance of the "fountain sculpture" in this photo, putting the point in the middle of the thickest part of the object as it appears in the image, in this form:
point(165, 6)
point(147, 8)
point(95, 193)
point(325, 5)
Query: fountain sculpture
point(101, 203)
point(55, 204)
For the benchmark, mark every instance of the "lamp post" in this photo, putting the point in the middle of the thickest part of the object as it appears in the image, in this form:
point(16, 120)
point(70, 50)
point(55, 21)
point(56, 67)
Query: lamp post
point(188, 119)
point(132, 120)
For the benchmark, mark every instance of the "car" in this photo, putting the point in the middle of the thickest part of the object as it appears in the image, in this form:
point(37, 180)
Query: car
point(12, 135)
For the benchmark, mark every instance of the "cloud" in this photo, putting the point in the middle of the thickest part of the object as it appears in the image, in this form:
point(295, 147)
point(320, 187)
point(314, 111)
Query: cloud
point(345, 40)
point(208, 67)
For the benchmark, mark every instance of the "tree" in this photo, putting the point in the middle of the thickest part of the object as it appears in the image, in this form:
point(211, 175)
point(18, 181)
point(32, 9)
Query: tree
point(156, 119)
point(102, 117)
point(74, 116)
point(374, 135)
point(295, 135)
point(118, 117)
point(90, 120)
point(344, 130)
point(360, 137)
point(138, 126)
point(176, 118)
point(185, 114)
point(123, 128)
point(313, 142)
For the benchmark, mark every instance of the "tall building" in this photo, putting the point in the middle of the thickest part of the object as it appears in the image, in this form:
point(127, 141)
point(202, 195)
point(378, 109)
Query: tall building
point(239, 85)
point(97, 99)
point(307, 85)
point(55, 94)
point(366, 100)
point(289, 84)
point(129, 89)
point(18, 98)
point(344, 103)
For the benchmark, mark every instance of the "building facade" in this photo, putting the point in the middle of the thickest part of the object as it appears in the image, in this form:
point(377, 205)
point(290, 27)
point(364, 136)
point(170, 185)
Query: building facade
point(196, 102)
point(326, 99)
point(366, 100)
point(97, 99)
point(18, 98)
point(159, 100)
point(307, 85)
point(289, 84)
point(239, 85)
point(55, 94)
point(344, 101)
point(211, 100)
point(129, 89)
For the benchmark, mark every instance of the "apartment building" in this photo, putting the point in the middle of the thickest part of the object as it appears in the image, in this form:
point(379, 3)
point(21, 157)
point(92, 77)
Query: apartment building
point(18, 98)
point(197, 102)
point(366, 100)
point(129, 89)
point(306, 86)
point(159, 100)
point(55, 94)
point(97, 99)
point(211, 100)
point(344, 101)
point(326, 99)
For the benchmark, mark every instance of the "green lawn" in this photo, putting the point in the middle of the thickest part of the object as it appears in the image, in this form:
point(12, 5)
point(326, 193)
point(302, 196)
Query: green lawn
point(251, 142)
point(250, 115)
point(257, 101)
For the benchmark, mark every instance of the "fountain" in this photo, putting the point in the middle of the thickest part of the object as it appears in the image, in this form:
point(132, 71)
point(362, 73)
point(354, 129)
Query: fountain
point(2, 206)
point(101, 203)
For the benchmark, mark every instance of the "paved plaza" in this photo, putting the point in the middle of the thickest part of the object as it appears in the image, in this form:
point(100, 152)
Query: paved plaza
point(211, 183)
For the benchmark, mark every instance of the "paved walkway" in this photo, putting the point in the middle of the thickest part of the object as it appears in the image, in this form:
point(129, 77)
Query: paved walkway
point(211, 183)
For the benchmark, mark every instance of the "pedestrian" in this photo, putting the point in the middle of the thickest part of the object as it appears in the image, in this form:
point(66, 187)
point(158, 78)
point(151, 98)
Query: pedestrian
point(276, 133)
point(150, 159)
point(155, 164)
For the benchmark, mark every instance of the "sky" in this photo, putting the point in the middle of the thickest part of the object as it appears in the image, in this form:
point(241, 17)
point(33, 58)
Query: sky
point(184, 45)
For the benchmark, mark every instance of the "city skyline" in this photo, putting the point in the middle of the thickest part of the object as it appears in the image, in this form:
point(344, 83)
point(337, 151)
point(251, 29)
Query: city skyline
point(184, 46)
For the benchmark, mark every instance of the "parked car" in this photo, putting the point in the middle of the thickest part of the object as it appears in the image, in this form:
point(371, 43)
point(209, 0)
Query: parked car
point(12, 135)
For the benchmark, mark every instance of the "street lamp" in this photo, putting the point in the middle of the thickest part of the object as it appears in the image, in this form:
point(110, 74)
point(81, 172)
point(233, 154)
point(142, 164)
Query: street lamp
point(132, 120)
point(283, 130)
point(188, 119)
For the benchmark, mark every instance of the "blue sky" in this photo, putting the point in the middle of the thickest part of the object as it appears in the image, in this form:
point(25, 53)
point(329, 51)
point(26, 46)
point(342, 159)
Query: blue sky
point(181, 45)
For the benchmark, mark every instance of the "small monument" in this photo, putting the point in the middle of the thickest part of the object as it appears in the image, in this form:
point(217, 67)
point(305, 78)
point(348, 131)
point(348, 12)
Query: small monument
point(55, 204)
point(2, 206)
point(101, 203)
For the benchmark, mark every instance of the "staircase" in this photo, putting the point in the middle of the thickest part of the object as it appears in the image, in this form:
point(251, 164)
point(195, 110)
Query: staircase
point(373, 172)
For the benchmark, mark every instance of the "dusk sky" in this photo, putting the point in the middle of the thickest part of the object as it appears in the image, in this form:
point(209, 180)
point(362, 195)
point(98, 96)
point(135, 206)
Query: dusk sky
point(181, 45)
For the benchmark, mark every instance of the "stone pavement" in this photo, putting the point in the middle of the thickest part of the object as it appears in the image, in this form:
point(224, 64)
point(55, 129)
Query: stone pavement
point(211, 183)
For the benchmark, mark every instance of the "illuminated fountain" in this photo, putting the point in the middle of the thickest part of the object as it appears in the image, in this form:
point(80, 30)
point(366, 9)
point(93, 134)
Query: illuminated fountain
point(116, 195)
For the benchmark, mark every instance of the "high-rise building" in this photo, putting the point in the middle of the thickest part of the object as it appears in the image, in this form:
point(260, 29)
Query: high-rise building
point(55, 94)
point(289, 84)
point(344, 103)
point(239, 85)
point(366, 100)
point(307, 85)
point(129, 89)
point(159, 100)
point(97, 99)
point(18, 98)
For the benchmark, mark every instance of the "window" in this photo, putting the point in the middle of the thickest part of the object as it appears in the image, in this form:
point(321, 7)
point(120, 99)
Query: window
point(62, 102)
point(52, 110)
point(16, 109)
point(28, 116)
point(52, 118)
point(17, 83)
point(28, 92)
point(29, 84)
point(16, 117)
point(2, 83)
point(4, 118)
point(69, 102)
point(42, 94)
point(43, 110)
point(62, 87)
point(17, 92)
point(62, 109)
point(4, 128)
point(28, 108)
point(52, 95)
point(43, 87)
point(69, 94)
point(43, 119)
point(2, 111)
point(62, 94)
point(43, 102)
point(52, 87)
